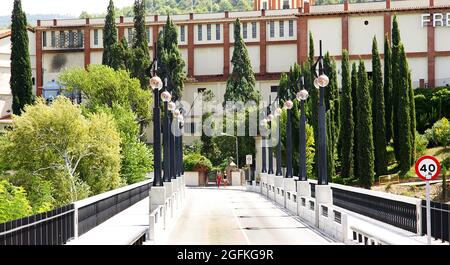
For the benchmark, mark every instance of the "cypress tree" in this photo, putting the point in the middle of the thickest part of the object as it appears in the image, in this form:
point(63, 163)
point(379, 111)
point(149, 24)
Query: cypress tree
point(141, 56)
point(21, 78)
point(109, 36)
point(171, 62)
point(314, 101)
point(121, 56)
point(404, 116)
point(348, 124)
point(365, 152)
point(412, 109)
point(311, 49)
point(354, 85)
point(241, 83)
point(388, 88)
point(378, 112)
point(395, 83)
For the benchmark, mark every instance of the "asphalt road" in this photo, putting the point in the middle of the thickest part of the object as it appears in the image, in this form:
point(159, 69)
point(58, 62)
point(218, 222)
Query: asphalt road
point(233, 216)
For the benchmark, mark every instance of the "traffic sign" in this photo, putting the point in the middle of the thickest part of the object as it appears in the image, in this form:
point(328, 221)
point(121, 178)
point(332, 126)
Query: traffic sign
point(249, 159)
point(428, 168)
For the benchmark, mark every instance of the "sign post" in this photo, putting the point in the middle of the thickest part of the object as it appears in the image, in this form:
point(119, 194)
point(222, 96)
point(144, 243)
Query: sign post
point(428, 168)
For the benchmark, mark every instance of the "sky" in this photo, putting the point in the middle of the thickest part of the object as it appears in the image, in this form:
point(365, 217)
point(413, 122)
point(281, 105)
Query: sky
point(63, 7)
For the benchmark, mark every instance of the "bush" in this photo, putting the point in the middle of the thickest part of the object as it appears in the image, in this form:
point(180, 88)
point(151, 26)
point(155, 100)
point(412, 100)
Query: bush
point(439, 134)
point(431, 105)
point(197, 162)
point(13, 202)
point(421, 144)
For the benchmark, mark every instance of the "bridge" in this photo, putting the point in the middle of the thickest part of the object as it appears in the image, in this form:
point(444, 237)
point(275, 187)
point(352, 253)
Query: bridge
point(270, 211)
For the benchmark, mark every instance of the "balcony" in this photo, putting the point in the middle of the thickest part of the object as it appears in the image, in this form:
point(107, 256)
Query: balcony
point(66, 41)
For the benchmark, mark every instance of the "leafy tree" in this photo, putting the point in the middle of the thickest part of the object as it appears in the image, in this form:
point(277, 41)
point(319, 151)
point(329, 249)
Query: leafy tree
point(55, 149)
point(141, 55)
point(404, 116)
point(355, 87)
point(109, 36)
point(388, 88)
point(439, 134)
point(121, 56)
point(170, 62)
point(102, 86)
point(347, 119)
point(378, 112)
point(396, 80)
point(241, 83)
point(20, 81)
point(365, 151)
point(13, 202)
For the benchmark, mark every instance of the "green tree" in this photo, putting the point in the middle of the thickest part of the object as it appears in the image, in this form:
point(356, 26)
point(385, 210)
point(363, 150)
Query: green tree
point(141, 55)
point(13, 202)
point(314, 99)
point(378, 112)
point(396, 81)
point(102, 86)
point(348, 125)
point(365, 152)
point(121, 56)
point(170, 62)
point(355, 87)
point(109, 36)
point(20, 81)
point(404, 115)
point(388, 88)
point(55, 149)
point(241, 83)
point(412, 109)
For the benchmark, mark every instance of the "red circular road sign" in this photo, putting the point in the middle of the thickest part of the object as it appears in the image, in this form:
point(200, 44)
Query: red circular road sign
point(428, 168)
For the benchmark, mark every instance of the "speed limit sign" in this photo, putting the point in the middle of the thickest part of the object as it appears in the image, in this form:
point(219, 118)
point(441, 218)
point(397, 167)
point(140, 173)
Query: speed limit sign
point(428, 168)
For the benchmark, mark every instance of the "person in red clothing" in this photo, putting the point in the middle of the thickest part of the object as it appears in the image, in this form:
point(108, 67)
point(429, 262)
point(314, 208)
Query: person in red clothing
point(219, 179)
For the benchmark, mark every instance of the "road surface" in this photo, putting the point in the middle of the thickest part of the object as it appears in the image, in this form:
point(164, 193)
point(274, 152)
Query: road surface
point(233, 216)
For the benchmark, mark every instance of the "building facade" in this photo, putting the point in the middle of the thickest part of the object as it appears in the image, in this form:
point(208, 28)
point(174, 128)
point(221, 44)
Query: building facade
point(276, 35)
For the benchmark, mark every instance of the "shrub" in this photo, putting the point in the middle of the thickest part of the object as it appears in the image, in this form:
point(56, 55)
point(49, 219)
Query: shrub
point(439, 134)
point(421, 144)
point(13, 202)
point(431, 104)
point(197, 162)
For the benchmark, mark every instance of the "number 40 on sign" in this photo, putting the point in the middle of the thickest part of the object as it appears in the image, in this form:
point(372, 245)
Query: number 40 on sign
point(428, 168)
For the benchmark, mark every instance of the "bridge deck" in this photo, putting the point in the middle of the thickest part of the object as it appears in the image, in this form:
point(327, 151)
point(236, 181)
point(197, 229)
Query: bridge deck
point(234, 216)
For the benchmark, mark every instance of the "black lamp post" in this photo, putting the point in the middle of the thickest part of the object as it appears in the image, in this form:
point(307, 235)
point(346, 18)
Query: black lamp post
point(302, 96)
point(156, 84)
point(166, 97)
point(278, 112)
point(173, 173)
point(320, 82)
point(288, 104)
point(263, 144)
point(270, 118)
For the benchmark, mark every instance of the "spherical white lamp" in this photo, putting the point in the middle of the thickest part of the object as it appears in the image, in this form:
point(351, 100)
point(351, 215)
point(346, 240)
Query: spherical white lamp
point(278, 112)
point(270, 117)
point(172, 106)
point(323, 80)
point(166, 96)
point(302, 95)
point(156, 83)
point(176, 114)
point(288, 104)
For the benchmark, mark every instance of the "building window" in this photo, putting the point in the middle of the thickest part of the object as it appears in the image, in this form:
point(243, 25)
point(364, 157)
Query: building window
point(189, 127)
point(291, 28)
point(201, 90)
point(80, 38)
point(217, 31)
point(148, 35)
point(130, 35)
point(281, 29)
point(62, 39)
point(199, 32)
point(71, 39)
point(265, 5)
point(272, 29)
point(95, 37)
point(182, 34)
point(244, 30)
point(208, 31)
point(53, 36)
point(285, 4)
point(274, 89)
point(44, 39)
point(254, 30)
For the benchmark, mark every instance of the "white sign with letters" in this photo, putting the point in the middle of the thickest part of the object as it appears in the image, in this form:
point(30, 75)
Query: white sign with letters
point(437, 19)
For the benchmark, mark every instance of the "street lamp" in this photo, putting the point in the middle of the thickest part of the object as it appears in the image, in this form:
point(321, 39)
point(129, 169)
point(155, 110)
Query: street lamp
point(263, 146)
point(270, 118)
point(288, 104)
point(156, 84)
point(278, 112)
point(166, 97)
point(172, 108)
point(302, 96)
point(320, 82)
point(237, 146)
